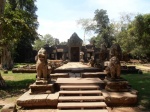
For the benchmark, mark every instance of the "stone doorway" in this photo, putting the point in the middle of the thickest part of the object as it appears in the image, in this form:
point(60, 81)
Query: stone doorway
point(74, 54)
point(59, 55)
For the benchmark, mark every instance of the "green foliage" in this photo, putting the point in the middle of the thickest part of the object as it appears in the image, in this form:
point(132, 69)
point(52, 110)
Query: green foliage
point(46, 40)
point(139, 31)
point(19, 24)
point(102, 20)
point(49, 40)
point(63, 43)
point(88, 26)
point(38, 44)
point(140, 83)
point(17, 84)
point(103, 28)
point(133, 34)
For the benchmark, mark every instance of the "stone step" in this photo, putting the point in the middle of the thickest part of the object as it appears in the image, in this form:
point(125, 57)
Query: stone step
point(89, 87)
point(100, 75)
point(81, 98)
point(89, 110)
point(59, 75)
point(79, 81)
point(81, 105)
point(87, 92)
point(42, 89)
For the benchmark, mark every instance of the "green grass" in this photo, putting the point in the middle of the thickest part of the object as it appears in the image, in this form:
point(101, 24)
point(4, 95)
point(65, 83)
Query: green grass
point(17, 83)
point(16, 65)
point(141, 82)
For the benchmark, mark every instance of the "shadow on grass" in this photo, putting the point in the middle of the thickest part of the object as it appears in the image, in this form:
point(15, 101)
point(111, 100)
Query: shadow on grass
point(141, 82)
point(15, 88)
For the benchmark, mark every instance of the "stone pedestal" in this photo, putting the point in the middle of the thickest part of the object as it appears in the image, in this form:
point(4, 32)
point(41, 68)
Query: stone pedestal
point(120, 98)
point(118, 93)
point(117, 85)
point(38, 100)
point(42, 87)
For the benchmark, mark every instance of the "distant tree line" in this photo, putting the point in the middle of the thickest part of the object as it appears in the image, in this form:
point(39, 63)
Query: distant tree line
point(47, 40)
point(132, 32)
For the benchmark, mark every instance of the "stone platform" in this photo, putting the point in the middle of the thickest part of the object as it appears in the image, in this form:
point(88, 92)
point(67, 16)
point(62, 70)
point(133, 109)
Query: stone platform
point(100, 75)
point(86, 81)
point(59, 75)
point(118, 93)
point(120, 98)
point(82, 93)
point(42, 89)
point(38, 100)
point(75, 67)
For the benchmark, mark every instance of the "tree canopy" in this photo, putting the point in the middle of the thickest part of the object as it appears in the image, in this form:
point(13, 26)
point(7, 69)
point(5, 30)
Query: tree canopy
point(132, 32)
point(19, 23)
point(47, 39)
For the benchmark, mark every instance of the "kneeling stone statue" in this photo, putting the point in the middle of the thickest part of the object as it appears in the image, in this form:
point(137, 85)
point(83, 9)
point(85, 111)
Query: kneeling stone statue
point(42, 65)
point(113, 70)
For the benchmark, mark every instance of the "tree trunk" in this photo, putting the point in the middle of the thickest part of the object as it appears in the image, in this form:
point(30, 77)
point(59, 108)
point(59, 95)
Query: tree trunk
point(5, 58)
point(2, 5)
point(2, 82)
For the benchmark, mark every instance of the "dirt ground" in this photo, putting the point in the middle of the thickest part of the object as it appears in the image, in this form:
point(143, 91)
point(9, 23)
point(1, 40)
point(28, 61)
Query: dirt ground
point(125, 109)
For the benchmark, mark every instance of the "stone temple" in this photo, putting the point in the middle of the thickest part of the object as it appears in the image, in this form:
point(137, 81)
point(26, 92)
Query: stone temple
point(72, 50)
point(76, 86)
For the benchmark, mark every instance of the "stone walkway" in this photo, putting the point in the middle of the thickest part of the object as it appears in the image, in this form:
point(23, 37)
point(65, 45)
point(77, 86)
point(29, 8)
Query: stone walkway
point(143, 68)
point(75, 67)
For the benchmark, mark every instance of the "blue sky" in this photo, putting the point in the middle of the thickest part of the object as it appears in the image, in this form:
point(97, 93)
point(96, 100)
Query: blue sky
point(58, 17)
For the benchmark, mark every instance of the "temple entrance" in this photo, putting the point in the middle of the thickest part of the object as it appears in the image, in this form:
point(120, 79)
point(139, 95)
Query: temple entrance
point(59, 55)
point(74, 54)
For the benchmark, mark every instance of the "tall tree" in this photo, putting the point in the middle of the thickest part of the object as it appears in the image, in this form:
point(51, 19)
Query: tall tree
point(139, 30)
point(103, 28)
point(49, 40)
point(20, 24)
point(2, 5)
point(87, 25)
point(5, 55)
point(121, 32)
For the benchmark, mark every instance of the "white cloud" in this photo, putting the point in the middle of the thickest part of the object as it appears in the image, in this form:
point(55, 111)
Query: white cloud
point(59, 29)
point(115, 7)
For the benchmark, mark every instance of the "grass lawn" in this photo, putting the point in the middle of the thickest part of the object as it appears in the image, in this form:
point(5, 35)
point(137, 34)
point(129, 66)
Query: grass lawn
point(17, 84)
point(141, 82)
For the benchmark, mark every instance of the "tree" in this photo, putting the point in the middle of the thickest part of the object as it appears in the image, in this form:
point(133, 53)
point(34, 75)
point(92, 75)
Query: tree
point(45, 40)
point(2, 82)
point(49, 40)
point(63, 43)
point(5, 55)
point(38, 44)
point(87, 25)
point(19, 23)
point(139, 30)
point(2, 5)
point(103, 28)
point(121, 32)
